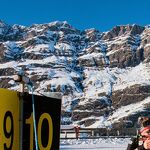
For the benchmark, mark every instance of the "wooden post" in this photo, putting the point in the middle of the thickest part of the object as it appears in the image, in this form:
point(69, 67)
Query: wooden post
point(19, 79)
point(65, 134)
point(92, 133)
point(21, 115)
point(118, 133)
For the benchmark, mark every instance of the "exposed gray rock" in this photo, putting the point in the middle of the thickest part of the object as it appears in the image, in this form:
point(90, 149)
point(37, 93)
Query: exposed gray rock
point(130, 95)
point(79, 64)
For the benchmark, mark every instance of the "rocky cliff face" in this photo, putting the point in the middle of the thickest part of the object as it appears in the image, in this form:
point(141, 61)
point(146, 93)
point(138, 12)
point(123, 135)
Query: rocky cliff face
point(104, 76)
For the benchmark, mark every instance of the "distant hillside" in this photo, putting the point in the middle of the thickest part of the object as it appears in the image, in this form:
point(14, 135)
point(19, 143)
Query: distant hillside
point(104, 76)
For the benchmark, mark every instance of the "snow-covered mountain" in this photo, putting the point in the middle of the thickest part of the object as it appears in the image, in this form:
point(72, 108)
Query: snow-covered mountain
point(104, 77)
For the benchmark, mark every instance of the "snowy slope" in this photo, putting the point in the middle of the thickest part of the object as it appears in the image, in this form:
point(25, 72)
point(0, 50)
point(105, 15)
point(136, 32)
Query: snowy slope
point(101, 75)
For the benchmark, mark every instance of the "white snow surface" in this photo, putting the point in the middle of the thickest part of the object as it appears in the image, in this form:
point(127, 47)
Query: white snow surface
point(64, 46)
point(38, 49)
point(95, 144)
point(132, 76)
point(97, 81)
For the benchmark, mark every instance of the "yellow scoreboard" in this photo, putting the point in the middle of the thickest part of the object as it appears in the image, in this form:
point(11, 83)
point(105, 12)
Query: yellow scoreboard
point(9, 120)
point(47, 110)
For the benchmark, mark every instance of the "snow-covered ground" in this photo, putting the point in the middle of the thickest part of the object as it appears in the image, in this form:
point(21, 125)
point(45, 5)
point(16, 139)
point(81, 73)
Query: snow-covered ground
point(95, 144)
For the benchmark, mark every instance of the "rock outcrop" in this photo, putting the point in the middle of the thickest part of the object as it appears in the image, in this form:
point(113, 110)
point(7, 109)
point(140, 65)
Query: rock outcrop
point(98, 73)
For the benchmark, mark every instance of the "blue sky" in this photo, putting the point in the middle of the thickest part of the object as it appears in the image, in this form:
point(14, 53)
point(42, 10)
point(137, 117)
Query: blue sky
point(82, 14)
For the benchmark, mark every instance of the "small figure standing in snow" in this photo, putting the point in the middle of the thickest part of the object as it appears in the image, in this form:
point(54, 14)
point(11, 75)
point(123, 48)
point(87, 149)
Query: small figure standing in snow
point(77, 128)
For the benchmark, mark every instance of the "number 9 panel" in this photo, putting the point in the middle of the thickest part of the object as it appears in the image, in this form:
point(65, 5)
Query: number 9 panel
point(9, 120)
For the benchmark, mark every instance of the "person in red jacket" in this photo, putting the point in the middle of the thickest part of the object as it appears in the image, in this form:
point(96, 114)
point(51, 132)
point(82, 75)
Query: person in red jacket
point(142, 141)
point(77, 128)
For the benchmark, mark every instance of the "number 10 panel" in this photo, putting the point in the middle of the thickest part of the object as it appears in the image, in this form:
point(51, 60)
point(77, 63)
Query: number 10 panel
point(47, 112)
